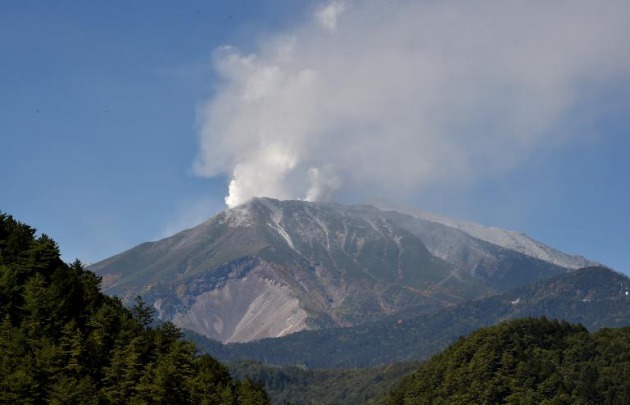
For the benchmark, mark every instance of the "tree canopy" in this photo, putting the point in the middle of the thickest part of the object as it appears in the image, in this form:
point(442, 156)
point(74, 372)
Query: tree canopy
point(62, 341)
point(527, 361)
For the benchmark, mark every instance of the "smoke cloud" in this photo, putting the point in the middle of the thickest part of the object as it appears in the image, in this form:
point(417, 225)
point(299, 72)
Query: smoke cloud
point(398, 96)
point(324, 184)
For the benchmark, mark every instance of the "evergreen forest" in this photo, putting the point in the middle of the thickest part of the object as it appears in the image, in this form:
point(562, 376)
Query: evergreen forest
point(63, 342)
point(525, 361)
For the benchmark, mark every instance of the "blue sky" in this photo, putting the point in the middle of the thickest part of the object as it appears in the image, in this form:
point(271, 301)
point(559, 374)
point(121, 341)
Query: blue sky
point(123, 122)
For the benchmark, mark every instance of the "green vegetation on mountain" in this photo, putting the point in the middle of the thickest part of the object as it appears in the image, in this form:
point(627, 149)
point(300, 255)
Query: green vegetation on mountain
point(301, 386)
point(527, 361)
point(63, 342)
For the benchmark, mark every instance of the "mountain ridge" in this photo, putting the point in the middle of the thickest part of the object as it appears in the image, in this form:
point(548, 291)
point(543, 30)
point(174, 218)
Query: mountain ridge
point(501, 237)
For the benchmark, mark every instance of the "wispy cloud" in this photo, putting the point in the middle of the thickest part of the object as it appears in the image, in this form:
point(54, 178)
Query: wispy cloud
point(327, 15)
point(397, 96)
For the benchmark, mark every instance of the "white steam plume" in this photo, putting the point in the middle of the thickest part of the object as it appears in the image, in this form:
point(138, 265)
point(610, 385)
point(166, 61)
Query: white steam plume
point(398, 96)
point(324, 184)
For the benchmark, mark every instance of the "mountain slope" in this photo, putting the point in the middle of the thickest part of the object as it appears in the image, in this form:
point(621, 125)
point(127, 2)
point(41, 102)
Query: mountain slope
point(595, 297)
point(507, 239)
point(269, 268)
point(498, 268)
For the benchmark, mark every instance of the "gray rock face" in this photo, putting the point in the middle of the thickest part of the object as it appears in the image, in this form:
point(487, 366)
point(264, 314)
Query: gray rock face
point(270, 268)
point(244, 309)
point(515, 241)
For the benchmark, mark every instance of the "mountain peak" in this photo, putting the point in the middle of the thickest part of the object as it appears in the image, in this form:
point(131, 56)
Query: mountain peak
point(271, 267)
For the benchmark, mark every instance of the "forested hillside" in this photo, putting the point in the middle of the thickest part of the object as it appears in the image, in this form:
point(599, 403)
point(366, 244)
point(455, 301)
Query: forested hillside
point(62, 341)
point(302, 386)
point(528, 361)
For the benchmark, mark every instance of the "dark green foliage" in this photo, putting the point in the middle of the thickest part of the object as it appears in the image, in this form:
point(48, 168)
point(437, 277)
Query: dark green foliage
point(252, 393)
point(301, 386)
point(528, 361)
point(63, 342)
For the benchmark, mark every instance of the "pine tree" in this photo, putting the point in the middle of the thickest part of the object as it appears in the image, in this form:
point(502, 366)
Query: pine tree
point(63, 342)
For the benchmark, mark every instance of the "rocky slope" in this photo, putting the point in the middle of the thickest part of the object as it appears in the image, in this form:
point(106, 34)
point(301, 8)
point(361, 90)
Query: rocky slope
point(595, 297)
point(512, 240)
point(269, 268)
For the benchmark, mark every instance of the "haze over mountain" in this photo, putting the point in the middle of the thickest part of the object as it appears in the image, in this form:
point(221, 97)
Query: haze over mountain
point(269, 268)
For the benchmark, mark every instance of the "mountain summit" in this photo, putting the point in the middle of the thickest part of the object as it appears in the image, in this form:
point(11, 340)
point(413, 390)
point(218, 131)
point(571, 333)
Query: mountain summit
point(269, 268)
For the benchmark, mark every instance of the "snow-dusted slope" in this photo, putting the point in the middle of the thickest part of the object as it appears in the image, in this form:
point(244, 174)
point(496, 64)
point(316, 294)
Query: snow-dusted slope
point(512, 240)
